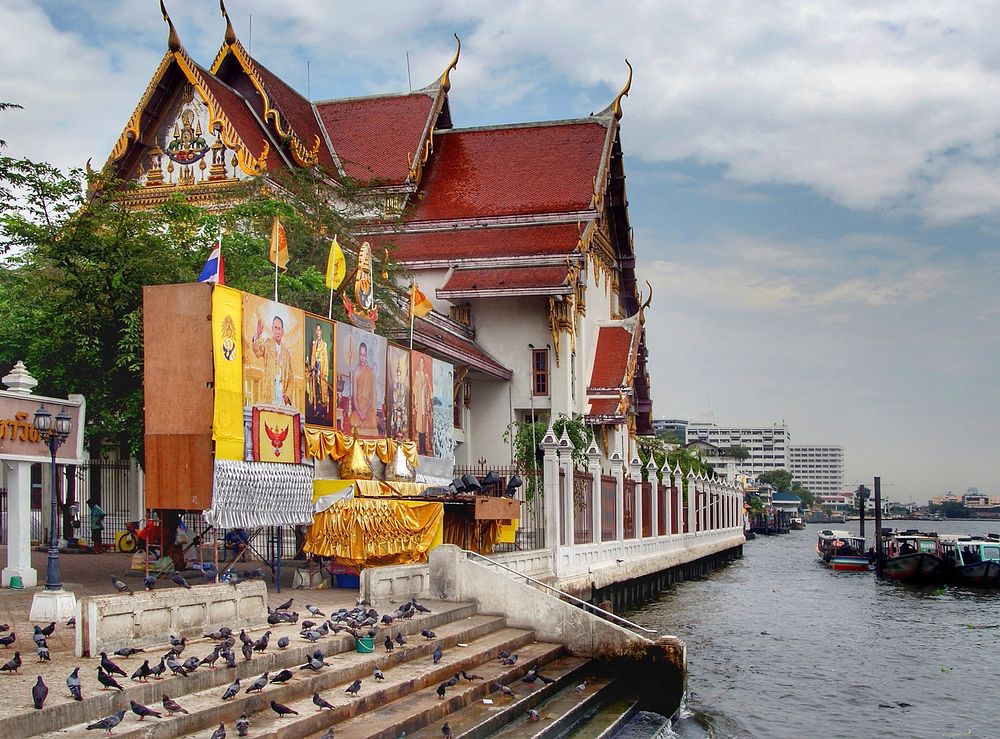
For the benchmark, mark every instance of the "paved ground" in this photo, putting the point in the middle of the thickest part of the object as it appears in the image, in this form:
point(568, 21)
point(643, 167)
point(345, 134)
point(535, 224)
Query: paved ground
point(90, 574)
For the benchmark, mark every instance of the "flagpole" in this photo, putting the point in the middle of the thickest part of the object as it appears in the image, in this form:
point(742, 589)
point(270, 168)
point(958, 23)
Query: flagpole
point(276, 277)
point(412, 283)
point(329, 311)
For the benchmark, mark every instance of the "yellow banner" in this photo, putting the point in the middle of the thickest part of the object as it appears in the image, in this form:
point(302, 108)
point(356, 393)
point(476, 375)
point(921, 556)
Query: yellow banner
point(227, 346)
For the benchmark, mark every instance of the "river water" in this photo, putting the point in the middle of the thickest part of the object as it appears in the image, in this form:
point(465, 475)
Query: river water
point(781, 646)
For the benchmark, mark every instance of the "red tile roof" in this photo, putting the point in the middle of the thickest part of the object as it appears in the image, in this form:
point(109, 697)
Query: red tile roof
point(372, 136)
point(604, 407)
point(482, 242)
point(456, 349)
point(297, 112)
point(247, 126)
point(611, 358)
point(520, 280)
point(520, 170)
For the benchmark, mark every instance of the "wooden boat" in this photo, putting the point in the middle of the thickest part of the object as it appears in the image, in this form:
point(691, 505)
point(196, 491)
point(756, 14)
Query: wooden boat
point(911, 556)
point(842, 550)
point(972, 560)
point(796, 523)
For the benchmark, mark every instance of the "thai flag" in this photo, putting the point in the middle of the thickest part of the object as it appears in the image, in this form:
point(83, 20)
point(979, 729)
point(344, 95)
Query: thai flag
point(213, 270)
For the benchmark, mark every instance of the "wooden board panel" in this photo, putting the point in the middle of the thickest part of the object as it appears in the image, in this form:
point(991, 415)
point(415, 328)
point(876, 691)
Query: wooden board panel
point(496, 509)
point(178, 370)
point(179, 471)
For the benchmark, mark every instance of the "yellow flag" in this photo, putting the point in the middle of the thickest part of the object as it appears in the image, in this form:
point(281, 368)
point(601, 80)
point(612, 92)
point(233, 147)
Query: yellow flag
point(420, 306)
point(278, 253)
point(336, 266)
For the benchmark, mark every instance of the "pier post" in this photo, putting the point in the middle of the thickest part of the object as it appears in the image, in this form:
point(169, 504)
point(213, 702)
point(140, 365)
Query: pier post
point(594, 467)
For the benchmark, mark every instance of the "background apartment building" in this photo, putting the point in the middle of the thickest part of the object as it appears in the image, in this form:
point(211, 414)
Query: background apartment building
point(768, 445)
point(820, 467)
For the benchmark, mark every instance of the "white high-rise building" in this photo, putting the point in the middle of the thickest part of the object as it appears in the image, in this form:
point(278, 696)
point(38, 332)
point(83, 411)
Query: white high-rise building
point(819, 467)
point(768, 446)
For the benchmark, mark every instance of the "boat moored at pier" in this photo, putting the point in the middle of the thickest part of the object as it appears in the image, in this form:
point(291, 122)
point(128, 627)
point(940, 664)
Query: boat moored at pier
point(911, 556)
point(972, 560)
point(842, 550)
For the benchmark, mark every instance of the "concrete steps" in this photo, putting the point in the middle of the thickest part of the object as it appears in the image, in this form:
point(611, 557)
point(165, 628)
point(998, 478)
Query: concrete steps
point(69, 718)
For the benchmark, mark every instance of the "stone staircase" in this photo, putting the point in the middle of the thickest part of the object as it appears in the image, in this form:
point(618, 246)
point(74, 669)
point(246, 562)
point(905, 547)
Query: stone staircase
point(405, 701)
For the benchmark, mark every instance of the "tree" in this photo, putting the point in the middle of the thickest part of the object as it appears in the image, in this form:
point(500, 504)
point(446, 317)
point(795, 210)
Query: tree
point(804, 494)
point(71, 289)
point(738, 452)
point(780, 480)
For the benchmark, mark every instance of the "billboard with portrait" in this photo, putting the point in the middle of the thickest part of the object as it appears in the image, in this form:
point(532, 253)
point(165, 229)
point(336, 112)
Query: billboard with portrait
point(422, 402)
point(360, 381)
point(318, 360)
point(397, 393)
point(444, 409)
point(273, 345)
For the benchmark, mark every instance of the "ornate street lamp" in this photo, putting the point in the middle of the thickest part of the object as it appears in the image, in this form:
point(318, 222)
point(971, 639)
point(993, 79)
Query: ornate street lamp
point(53, 434)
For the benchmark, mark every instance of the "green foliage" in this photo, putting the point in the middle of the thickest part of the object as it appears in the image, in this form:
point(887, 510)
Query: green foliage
point(658, 449)
point(524, 438)
point(71, 286)
point(780, 480)
point(738, 452)
point(804, 494)
point(952, 509)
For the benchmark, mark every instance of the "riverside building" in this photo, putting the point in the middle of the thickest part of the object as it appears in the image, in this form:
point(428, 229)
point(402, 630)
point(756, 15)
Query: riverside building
point(818, 467)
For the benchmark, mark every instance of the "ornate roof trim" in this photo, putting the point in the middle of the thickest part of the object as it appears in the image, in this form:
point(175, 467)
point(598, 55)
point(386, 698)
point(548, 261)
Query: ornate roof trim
point(248, 162)
point(425, 145)
point(304, 156)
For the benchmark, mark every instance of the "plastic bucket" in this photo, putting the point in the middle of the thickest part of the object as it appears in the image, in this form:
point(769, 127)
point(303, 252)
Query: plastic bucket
point(365, 644)
point(16, 583)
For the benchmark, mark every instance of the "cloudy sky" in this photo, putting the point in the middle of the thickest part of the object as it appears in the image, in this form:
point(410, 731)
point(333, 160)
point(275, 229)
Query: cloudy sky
point(814, 186)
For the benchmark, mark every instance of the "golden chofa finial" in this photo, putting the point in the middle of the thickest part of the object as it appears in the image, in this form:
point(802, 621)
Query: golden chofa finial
point(230, 33)
point(173, 40)
point(616, 106)
point(445, 81)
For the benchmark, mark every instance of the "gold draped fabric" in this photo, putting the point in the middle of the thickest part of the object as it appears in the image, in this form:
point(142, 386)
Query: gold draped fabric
point(323, 443)
point(466, 532)
point(376, 531)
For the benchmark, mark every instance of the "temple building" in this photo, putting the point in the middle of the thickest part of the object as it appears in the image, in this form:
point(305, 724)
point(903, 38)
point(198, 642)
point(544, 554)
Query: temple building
point(518, 233)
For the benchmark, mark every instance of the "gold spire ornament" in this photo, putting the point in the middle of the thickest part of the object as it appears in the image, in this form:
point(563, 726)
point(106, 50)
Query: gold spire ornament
point(173, 40)
point(445, 78)
point(616, 106)
point(230, 33)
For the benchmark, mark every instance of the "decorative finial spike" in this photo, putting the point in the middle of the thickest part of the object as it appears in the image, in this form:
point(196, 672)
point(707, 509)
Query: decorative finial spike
point(230, 33)
point(445, 81)
point(616, 106)
point(173, 40)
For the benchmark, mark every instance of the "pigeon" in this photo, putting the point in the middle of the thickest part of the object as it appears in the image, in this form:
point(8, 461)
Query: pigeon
point(71, 622)
point(149, 581)
point(175, 642)
point(6, 641)
point(353, 688)
point(282, 677)
point(388, 643)
point(283, 642)
point(533, 715)
point(321, 702)
point(172, 706)
point(378, 674)
point(437, 654)
point(42, 652)
point(258, 685)
point(446, 729)
point(313, 636)
point(244, 638)
point(219, 733)
point(452, 681)
point(157, 672)
point(47, 630)
point(417, 606)
point(428, 634)
point(314, 610)
point(505, 690)
point(211, 658)
point(286, 605)
point(108, 722)
point(178, 579)
point(230, 656)
point(400, 639)
point(191, 664)
point(471, 677)
point(120, 586)
point(313, 664)
point(242, 725)
point(38, 637)
point(176, 667)
point(329, 734)
point(232, 690)
point(281, 709)
point(142, 711)
point(13, 664)
point(73, 683)
point(126, 652)
point(143, 672)
point(4, 627)
point(39, 693)
point(509, 661)
point(581, 687)
point(247, 650)
point(261, 644)
point(110, 667)
point(386, 619)
point(107, 681)
point(441, 690)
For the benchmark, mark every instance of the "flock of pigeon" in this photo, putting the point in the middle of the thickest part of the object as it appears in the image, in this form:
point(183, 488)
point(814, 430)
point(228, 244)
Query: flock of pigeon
point(360, 622)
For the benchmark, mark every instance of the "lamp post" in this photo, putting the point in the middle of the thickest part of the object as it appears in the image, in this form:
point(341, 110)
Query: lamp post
point(53, 434)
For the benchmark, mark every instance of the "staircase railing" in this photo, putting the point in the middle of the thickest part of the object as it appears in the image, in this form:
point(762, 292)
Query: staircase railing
point(561, 594)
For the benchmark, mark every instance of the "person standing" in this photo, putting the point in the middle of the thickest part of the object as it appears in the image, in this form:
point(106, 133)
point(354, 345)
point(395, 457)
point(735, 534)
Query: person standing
point(97, 516)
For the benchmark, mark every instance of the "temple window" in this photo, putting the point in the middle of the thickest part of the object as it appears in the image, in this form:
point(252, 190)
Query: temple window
point(539, 372)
